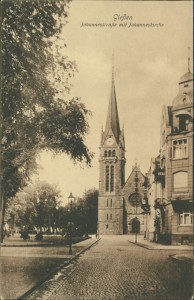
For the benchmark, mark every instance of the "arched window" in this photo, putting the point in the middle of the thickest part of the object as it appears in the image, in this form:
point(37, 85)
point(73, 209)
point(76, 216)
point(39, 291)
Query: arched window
point(109, 153)
point(110, 202)
point(107, 178)
point(107, 203)
point(180, 181)
point(105, 153)
point(112, 179)
point(113, 153)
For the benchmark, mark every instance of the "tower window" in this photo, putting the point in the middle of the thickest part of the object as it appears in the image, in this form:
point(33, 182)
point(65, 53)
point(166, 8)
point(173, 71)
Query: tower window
point(107, 216)
point(113, 153)
point(111, 216)
point(109, 153)
point(107, 178)
point(112, 179)
point(111, 202)
point(105, 153)
point(180, 148)
point(107, 203)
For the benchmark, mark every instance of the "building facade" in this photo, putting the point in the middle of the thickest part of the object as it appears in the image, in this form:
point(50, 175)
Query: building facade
point(176, 162)
point(170, 178)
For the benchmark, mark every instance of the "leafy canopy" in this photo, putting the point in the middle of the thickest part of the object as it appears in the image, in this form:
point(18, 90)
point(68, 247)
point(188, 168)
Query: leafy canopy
point(36, 114)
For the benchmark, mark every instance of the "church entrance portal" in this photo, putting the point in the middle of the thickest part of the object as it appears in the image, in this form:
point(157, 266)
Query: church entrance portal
point(135, 226)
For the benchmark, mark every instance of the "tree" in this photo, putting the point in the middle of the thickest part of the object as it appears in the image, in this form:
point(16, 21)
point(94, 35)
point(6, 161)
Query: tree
point(85, 212)
point(36, 113)
point(35, 207)
point(91, 209)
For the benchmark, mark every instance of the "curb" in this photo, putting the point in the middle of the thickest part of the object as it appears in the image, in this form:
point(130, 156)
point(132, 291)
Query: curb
point(142, 245)
point(65, 264)
point(183, 259)
point(82, 251)
point(161, 248)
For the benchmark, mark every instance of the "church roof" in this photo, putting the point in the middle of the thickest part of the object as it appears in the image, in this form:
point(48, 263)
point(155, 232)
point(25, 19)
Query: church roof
point(112, 121)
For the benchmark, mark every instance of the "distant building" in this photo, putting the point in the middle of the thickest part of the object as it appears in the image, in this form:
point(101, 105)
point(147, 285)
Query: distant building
point(155, 191)
point(119, 202)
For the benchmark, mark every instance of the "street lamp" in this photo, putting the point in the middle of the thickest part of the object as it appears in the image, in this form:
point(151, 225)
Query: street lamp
point(70, 201)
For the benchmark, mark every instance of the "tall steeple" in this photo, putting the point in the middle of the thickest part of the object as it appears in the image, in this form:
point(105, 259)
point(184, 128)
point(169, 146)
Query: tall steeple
point(112, 121)
point(112, 171)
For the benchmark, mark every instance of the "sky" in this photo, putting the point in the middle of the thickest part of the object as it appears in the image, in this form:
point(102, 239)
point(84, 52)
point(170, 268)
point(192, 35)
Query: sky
point(148, 63)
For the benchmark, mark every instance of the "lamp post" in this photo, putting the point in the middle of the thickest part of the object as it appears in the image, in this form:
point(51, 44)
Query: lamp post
point(70, 200)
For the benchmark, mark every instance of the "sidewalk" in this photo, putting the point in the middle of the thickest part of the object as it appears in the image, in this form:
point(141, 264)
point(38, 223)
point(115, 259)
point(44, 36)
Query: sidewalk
point(181, 259)
point(155, 246)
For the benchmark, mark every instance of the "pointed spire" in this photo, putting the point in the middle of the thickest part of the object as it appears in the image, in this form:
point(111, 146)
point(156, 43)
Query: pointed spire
point(112, 121)
point(189, 59)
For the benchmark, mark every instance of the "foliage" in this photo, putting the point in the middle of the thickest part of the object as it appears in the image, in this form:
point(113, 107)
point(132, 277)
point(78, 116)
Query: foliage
point(35, 206)
point(85, 213)
point(35, 81)
point(24, 235)
point(39, 236)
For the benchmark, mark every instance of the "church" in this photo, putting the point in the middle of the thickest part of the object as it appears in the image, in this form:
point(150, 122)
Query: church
point(120, 202)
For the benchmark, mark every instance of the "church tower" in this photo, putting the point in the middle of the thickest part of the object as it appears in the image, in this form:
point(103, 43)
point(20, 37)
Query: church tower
point(112, 172)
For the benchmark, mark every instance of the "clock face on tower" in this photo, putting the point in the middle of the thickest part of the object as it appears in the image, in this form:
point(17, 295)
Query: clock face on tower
point(110, 141)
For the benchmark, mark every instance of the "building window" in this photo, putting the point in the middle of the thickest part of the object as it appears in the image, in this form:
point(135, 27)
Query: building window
point(113, 153)
point(106, 226)
point(110, 202)
point(111, 216)
point(183, 122)
point(185, 218)
point(180, 181)
point(107, 178)
point(112, 179)
point(107, 216)
point(180, 148)
point(107, 203)
point(105, 153)
point(109, 153)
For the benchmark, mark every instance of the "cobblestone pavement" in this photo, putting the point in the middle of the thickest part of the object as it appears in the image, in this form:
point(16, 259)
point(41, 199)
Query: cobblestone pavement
point(114, 269)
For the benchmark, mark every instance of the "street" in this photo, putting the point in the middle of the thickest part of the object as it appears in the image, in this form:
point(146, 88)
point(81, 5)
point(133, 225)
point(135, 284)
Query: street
point(115, 269)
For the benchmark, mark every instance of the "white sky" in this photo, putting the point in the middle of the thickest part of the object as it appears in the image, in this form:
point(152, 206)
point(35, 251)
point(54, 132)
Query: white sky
point(148, 65)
